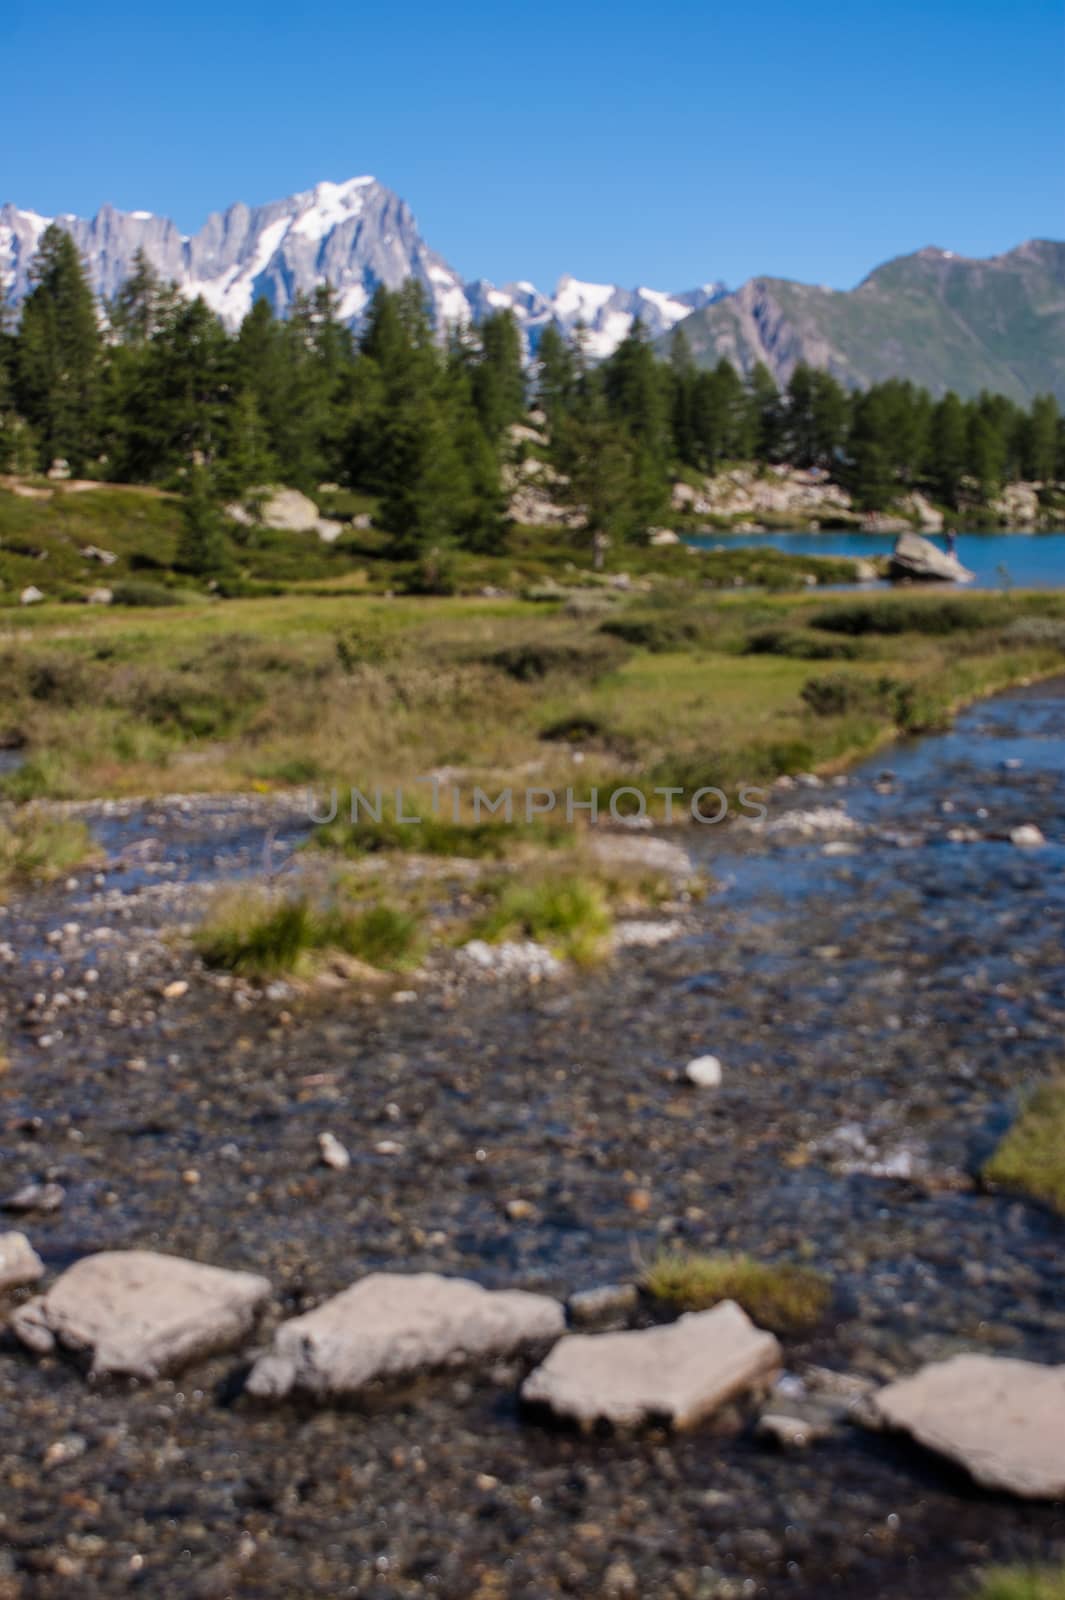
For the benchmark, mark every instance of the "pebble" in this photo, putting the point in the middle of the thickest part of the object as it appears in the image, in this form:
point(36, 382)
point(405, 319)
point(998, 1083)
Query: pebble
point(333, 1153)
point(607, 1303)
point(36, 1197)
point(1028, 837)
point(704, 1072)
point(175, 990)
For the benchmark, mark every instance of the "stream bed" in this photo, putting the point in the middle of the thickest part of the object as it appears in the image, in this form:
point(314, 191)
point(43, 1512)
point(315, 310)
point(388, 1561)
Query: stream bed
point(881, 992)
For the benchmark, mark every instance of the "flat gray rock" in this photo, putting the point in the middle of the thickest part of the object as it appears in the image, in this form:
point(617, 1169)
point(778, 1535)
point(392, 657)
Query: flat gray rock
point(1002, 1420)
point(19, 1262)
point(141, 1314)
point(391, 1325)
point(679, 1373)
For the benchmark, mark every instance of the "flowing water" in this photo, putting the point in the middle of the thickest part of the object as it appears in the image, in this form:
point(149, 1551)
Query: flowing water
point(879, 1015)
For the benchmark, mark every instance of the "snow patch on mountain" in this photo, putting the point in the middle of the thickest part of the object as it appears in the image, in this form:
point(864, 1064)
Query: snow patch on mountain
point(352, 235)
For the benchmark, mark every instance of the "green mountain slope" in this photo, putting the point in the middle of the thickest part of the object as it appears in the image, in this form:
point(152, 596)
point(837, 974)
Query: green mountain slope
point(942, 320)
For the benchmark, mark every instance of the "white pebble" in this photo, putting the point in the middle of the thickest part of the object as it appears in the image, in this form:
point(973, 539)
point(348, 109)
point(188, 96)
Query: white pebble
point(704, 1072)
point(333, 1152)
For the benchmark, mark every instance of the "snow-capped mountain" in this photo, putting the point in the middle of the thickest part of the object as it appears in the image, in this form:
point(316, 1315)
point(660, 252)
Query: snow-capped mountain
point(353, 235)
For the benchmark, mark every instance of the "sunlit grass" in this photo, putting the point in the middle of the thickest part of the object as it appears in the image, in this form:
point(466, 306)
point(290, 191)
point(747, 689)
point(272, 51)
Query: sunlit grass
point(260, 936)
point(1031, 1157)
point(781, 1297)
point(36, 848)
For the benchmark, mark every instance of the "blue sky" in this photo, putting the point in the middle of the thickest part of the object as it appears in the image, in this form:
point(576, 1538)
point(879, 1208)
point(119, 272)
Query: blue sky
point(665, 145)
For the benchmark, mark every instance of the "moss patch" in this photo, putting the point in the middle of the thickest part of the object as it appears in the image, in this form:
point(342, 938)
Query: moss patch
point(1031, 1158)
point(783, 1298)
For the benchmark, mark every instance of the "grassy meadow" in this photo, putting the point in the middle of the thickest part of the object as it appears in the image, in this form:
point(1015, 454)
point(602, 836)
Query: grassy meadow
point(694, 686)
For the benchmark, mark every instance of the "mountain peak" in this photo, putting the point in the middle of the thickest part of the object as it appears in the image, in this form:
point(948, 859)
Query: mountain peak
point(354, 235)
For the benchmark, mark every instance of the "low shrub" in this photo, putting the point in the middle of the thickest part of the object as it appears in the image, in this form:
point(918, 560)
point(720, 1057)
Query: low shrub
point(783, 1298)
point(541, 658)
point(658, 632)
point(1035, 633)
point(575, 728)
point(837, 695)
point(916, 614)
point(801, 644)
point(132, 592)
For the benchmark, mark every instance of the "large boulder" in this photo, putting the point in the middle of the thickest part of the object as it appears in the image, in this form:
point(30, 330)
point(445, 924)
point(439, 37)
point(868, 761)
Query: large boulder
point(919, 560)
point(19, 1262)
point(678, 1374)
point(391, 1325)
point(141, 1314)
point(1002, 1420)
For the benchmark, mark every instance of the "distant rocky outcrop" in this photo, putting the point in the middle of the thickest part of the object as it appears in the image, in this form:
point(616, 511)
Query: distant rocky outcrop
point(942, 320)
point(285, 509)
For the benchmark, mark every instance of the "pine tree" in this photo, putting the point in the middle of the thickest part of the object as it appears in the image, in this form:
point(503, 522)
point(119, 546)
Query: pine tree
point(498, 375)
point(201, 543)
point(556, 374)
point(59, 353)
point(765, 413)
point(143, 304)
point(1039, 439)
point(947, 448)
point(246, 460)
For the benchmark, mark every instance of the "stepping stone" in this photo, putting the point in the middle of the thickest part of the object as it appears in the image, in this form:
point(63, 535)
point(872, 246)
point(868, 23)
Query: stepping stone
point(678, 1374)
point(390, 1325)
point(141, 1314)
point(1000, 1419)
point(19, 1262)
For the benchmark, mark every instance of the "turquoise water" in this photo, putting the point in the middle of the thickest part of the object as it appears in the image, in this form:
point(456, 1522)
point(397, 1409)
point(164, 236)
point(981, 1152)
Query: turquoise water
point(999, 560)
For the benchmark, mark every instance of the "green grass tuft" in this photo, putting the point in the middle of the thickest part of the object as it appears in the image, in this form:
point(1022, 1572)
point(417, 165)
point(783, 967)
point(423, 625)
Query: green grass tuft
point(1022, 1583)
point(256, 936)
point(35, 848)
point(783, 1298)
point(566, 912)
point(436, 836)
point(1031, 1157)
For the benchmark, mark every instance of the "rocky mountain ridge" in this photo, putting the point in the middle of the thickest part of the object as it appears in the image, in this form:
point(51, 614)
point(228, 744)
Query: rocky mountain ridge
point(937, 318)
point(353, 235)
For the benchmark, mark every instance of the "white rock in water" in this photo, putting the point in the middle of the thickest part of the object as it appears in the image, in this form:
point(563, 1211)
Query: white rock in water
point(19, 1262)
point(390, 1325)
point(704, 1072)
point(681, 1373)
point(142, 1314)
point(1027, 837)
point(333, 1152)
point(1002, 1420)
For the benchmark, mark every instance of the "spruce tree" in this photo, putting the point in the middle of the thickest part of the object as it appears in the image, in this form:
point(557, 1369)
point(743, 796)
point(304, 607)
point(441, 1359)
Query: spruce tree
point(201, 543)
point(58, 354)
point(947, 444)
point(556, 374)
point(498, 375)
